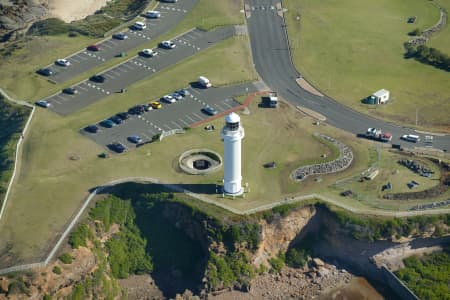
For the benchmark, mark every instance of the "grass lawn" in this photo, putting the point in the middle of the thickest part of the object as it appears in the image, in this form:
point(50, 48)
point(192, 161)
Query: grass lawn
point(441, 40)
point(350, 49)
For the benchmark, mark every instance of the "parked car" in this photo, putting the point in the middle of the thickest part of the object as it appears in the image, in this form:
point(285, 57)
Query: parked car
point(137, 110)
point(156, 104)
point(209, 110)
point(153, 14)
point(123, 115)
point(93, 48)
point(62, 62)
point(107, 123)
point(98, 78)
point(91, 128)
point(183, 92)
point(148, 107)
point(167, 44)
point(411, 138)
point(120, 36)
point(168, 99)
point(43, 103)
point(116, 120)
point(135, 139)
point(170, 1)
point(176, 96)
point(45, 72)
point(70, 91)
point(148, 53)
point(139, 26)
point(118, 147)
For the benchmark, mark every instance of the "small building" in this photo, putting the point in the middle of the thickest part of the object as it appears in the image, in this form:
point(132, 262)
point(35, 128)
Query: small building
point(380, 97)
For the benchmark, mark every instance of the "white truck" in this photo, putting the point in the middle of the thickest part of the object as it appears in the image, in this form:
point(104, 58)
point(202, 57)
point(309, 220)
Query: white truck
point(204, 82)
point(378, 135)
point(273, 99)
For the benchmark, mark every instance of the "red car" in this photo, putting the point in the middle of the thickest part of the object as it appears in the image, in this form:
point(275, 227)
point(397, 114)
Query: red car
point(93, 48)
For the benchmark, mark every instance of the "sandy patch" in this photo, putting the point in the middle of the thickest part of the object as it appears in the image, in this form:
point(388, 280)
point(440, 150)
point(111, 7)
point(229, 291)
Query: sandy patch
point(72, 10)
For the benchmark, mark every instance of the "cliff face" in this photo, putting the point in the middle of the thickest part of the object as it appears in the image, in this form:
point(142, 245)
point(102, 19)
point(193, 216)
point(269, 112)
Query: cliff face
point(278, 234)
point(17, 15)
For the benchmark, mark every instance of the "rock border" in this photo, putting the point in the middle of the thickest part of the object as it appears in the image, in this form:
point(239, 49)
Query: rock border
point(341, 163)
point(187, 157)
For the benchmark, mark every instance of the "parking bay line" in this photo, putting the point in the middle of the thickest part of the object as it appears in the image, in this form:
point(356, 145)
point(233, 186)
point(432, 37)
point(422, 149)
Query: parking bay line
point(176, 124)
point(196, 115)
point(184, 122)
point(192, 120)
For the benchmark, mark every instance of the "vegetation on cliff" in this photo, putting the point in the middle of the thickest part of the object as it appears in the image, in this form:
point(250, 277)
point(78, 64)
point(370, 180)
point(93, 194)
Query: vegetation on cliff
point(428, 276)
point(376, 228)
point(12, 121)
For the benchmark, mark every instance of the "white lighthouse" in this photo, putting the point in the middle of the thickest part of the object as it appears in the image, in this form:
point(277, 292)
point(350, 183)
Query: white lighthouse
point(232, 134)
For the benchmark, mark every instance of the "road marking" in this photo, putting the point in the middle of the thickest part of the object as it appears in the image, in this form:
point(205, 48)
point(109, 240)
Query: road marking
point(196, 115)
point(177, 125)
point(128, 66)
point(170, 128)
point(74, 60)
point(192, 120)
point(184, 122)
point(226, 104)
point(110, 76)
point(220, 107)
point(82, 88)
point(56, 101)
point(197, 92)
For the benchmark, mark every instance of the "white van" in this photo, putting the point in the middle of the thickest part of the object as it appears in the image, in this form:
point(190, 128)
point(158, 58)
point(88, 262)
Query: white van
point(204, 82)
point(411, 138)
point(140, 25)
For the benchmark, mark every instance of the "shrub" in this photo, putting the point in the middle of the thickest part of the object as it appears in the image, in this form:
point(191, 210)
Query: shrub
point(57, 270)
point(296, 258)
point(277, 263)
point(66, 258)
point(80, 235)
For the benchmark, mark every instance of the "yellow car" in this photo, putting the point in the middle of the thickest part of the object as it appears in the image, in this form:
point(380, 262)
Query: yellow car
point(156, 105)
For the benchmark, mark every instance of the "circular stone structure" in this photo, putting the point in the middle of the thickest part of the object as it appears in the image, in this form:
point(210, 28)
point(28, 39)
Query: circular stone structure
point(200, 161)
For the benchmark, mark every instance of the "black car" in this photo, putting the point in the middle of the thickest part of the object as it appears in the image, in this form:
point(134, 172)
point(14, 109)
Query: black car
point(120, 36)
point(91, 128)
point(98, 78)
point(209, 110)
point(137, 110)
point(45, 72)
point(118, 147)
point(70, 91)
point(123, 115)
point(116, 120)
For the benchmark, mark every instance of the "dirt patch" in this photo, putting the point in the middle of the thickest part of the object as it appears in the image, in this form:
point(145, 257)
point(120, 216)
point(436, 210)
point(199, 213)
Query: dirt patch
point(69, 10)
point(357, 289)
point(141, 287)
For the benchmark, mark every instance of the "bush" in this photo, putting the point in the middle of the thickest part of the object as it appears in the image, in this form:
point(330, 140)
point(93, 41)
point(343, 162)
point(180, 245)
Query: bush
point(277, 263)
point(57, 270)
point(52, 26)
point(415, 32)
point(66, 258)
point(80, 235)
point(296, 258)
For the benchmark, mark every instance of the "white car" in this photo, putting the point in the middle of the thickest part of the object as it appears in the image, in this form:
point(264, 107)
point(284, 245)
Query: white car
point(149, 52)
point(411, 138)
point(139, 26)
point(62, 62)
point(169, 99)
point(167, 44)
point(153, 14)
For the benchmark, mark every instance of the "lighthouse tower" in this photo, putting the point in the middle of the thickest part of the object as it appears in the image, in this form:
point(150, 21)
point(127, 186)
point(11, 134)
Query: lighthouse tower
point(232, 134)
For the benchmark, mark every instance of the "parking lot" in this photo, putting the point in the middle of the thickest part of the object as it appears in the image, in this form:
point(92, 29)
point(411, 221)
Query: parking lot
point(84, 60)
point(178, 115)
point(135, 69)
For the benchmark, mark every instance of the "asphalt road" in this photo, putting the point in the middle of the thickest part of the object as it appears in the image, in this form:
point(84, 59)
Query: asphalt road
point(137, 68)
point(271, 57)
point(84, 60)
point(178, 115)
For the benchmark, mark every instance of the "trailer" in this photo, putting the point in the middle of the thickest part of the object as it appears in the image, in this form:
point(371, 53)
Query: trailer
point(378, 135)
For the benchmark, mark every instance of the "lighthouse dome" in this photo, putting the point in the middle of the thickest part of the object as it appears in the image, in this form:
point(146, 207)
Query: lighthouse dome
point(232, 118)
